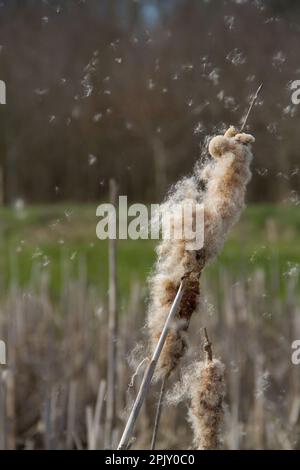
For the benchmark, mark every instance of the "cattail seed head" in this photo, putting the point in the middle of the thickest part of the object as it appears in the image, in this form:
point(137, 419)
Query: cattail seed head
point(221, 186)
point(206, 412)
point(226, 177)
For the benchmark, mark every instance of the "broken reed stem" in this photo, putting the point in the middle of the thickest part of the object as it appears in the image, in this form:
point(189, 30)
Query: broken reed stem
point(207, 347)
point(250, 107)
point(112, 331)
point(125, 439)
point(158, 411)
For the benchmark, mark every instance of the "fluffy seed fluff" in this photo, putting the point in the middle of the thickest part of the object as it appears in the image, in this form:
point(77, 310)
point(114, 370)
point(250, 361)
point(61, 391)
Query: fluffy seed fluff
point(206, 413)
point(220, 185)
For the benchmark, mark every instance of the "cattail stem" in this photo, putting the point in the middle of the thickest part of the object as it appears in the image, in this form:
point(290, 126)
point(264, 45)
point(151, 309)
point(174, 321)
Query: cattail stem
point(250, 107)
point(158, 411)
point(149, 372)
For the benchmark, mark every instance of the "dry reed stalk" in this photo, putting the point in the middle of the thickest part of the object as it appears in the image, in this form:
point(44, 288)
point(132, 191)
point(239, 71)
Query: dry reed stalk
point(7, 410)
point(251, 106)
point(2, 412)
point(71, 414)
point(98, 413)
point(259, 433)
point(112, 332)
point(93, 419)
point(89, 428)
point(158, 412)
point(144, 388)
point(33, 328)
point(9, 381)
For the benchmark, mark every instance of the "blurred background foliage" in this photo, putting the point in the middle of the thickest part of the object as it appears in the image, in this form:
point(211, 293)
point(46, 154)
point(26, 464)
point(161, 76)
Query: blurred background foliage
point(52, 243)
point(132, 88)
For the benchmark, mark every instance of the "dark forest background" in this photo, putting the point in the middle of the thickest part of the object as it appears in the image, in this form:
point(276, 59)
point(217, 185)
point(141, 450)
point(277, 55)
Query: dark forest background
point(132, 89)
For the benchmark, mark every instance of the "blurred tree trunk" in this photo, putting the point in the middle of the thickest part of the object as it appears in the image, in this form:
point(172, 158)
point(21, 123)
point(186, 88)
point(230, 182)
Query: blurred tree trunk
point(133, 9)
point(1, 187)
point(111, 10)
point(10, 170)
point(284, 185)
point(160, 166)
